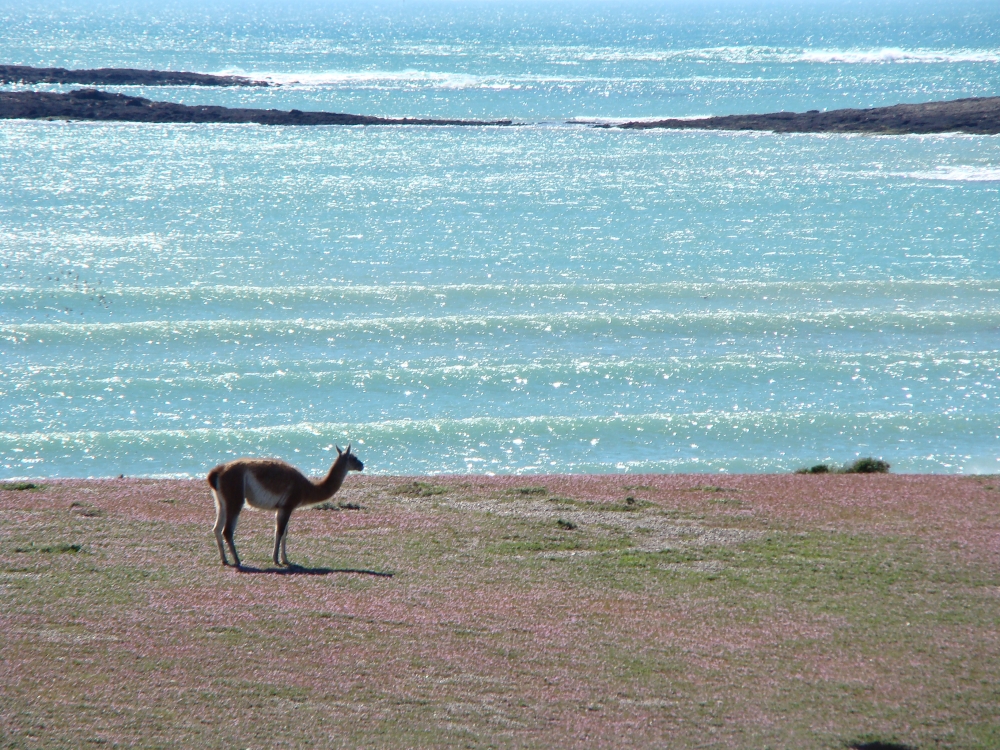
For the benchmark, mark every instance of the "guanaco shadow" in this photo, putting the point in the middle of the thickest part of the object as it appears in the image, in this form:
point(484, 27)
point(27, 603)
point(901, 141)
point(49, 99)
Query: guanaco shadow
point(298, 570)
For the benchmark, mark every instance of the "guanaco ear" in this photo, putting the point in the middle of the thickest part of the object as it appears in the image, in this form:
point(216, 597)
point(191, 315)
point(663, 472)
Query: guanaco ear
point(348, 448)
point(339, 452)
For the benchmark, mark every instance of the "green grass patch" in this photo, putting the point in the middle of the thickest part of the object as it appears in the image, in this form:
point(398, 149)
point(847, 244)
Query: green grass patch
point(555, 536)
point(734, 501)
point(21, 486)
point(629, 503)
point(228, 634)
point(560, 500)
point(530, 491)
point(419, 489)
point(710, 488)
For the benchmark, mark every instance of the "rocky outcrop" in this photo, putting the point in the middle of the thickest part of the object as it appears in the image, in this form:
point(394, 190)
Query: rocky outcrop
point(981, 115)
point(118, 77)
point(91, 104)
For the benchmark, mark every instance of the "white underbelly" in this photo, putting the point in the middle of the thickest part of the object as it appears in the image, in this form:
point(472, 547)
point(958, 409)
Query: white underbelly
point(258, 496)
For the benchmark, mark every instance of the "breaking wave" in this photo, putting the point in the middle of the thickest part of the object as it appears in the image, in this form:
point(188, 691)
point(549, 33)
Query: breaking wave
point(958, 174)
point(735, 55)
point(897, 55)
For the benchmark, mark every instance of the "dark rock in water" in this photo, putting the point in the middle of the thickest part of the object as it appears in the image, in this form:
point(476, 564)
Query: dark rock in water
point(91, 104)
point(118, 77)
point(980, 115)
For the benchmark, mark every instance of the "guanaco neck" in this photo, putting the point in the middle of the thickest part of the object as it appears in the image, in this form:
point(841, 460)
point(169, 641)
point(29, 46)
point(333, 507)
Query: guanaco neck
point(328, 485)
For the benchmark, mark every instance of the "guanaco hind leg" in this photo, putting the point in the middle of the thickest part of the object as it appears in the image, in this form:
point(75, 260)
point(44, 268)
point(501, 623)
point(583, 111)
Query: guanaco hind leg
point(220, 524)
point(228, 493)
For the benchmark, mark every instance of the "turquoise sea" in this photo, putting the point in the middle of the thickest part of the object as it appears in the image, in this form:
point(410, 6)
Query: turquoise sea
point(550, 297)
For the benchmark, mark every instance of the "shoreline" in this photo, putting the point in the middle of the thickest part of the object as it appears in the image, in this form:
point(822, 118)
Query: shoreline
point(95, 105)
point(120, 77)
point(979, 115)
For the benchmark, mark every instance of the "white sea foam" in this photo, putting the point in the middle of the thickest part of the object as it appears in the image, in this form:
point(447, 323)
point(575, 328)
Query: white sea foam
point(742, 54)
point(957, 174)
point(445, 80)
point(370, 78)
point(897, 55)
point(584, 120)
point(364, 78)
point(737, 55)
point(395, 291)
point(432, 325)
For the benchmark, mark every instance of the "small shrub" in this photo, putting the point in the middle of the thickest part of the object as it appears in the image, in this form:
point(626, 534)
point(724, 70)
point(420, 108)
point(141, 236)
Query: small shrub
point(867, 466)
point(20, 486)
point(532, 491)
point(817, 469)
point(85, 510)
point(562, 523)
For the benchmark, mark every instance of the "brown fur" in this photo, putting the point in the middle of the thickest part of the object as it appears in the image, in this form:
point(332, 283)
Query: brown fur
point(285, 487)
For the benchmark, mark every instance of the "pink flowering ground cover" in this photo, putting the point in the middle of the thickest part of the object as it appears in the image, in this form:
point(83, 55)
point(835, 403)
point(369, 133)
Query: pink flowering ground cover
point(591, 611)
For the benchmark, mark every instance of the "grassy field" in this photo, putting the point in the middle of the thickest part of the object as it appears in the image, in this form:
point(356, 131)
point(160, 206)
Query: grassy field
point(670, 611)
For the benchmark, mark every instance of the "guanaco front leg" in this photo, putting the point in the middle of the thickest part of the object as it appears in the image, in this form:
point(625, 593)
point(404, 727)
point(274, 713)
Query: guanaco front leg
point(280, 534)
point(228, 533)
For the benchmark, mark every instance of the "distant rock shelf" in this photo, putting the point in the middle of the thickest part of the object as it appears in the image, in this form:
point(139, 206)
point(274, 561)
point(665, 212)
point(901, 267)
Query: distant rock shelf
point(91, 104)
point(118, 77)
point(980, 116)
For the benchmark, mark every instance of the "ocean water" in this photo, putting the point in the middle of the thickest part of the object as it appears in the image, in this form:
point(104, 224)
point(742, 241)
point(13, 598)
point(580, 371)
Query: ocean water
point(549, 297)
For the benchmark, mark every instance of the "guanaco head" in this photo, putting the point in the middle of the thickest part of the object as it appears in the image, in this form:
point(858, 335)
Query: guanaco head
point(353, 462)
